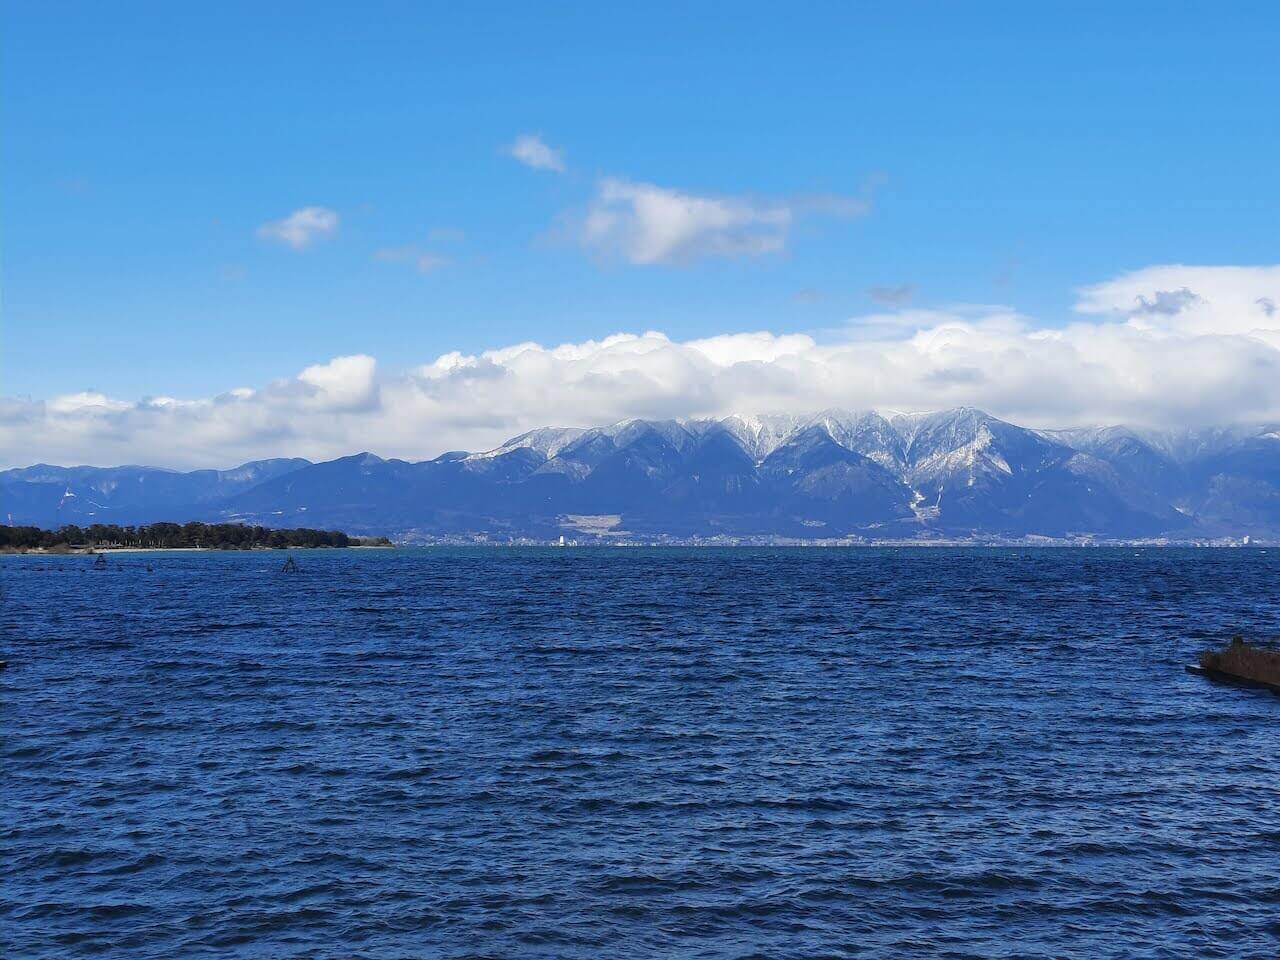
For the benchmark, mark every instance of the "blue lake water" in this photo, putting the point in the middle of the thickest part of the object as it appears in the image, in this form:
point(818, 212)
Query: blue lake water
point(649, 753)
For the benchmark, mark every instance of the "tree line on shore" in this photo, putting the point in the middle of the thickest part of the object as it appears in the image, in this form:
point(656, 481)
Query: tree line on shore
point(161, 536)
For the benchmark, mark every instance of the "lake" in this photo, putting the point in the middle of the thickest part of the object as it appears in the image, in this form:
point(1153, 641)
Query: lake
point(638, 752)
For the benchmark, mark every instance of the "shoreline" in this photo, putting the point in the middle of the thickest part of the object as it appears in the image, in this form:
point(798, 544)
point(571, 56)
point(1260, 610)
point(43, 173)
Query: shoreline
point(103, 551)
point(675, 545)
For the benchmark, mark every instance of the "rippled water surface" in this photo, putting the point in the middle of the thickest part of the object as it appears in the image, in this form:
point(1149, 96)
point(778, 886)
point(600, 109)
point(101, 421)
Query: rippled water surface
point(648, 753)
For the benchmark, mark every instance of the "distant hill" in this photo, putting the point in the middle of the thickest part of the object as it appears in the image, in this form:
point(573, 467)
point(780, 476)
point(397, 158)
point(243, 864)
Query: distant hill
point(47, 496)
point(836, 474)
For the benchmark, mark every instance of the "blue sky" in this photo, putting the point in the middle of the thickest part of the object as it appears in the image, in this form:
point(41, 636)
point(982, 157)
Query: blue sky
point(1007, 154)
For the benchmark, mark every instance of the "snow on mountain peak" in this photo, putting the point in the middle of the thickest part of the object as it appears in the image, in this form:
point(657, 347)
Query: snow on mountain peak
point(547, 441)
point(924, 449)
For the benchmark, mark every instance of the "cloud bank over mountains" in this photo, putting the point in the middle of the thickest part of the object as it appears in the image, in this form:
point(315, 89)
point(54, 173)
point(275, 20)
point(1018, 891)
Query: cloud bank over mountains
point(1163, 346)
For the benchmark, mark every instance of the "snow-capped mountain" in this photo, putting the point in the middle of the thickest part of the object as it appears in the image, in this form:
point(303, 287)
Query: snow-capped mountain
point(830, 474)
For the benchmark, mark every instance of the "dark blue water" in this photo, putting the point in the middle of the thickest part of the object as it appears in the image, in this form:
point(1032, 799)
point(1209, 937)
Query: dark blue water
point(649, 753)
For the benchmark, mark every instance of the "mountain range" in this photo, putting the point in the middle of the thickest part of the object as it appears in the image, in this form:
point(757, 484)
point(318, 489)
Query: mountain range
point(954, 474)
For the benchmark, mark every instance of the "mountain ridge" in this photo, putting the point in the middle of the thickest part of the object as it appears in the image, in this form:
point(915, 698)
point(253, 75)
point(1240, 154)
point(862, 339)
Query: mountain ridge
point(833, 474)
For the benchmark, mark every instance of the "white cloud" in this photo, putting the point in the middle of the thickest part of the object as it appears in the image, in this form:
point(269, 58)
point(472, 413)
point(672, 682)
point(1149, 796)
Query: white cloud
point(301, 228)
point(423, 261)
point(646, 224)
point(344, 383)
point(1215, 359)
point(87, 401)
point(531, 150)
point(1195, 300)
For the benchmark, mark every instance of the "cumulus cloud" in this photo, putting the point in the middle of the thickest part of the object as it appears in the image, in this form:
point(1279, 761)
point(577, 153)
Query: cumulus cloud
point(1191, 300)
point(88, 401)
point(1216, 360)
point(646, 224)
point(301, 228)
point(344, 383)
point(1167, 302)
point(531, 150)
